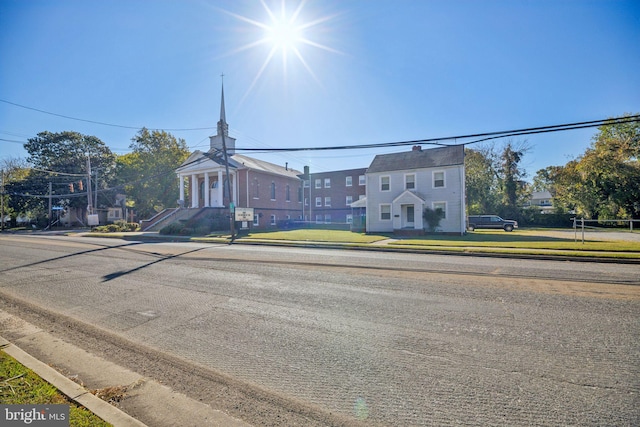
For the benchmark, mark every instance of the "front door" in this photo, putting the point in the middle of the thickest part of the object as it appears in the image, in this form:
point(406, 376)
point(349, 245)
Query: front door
point(408, 216)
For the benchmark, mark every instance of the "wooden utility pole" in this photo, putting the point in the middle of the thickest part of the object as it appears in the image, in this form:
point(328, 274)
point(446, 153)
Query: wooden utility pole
point(50, 203)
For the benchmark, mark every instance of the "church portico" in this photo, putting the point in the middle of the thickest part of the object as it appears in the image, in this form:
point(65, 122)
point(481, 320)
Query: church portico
point(206, 188)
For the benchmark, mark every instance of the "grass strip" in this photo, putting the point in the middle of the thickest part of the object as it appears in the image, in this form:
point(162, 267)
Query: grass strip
point(21, 386)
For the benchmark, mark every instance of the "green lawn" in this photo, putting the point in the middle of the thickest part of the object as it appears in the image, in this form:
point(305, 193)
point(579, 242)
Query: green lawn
point(336, 236)
point(532, 241)
point(19, 385)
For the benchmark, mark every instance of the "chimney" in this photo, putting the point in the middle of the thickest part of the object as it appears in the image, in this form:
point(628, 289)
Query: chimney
point(306, 172)
point(417, 148)
point(286, 166)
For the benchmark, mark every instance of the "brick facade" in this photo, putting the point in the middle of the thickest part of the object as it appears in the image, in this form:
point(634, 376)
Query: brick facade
point(328, 195)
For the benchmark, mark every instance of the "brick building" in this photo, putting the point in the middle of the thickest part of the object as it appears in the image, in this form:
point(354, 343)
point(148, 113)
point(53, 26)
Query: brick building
point(212, 182)
point(328, 195)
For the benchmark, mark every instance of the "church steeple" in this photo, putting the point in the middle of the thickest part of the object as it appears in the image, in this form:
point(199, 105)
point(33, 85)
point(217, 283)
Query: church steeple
point(222, 123)
point(215, 141)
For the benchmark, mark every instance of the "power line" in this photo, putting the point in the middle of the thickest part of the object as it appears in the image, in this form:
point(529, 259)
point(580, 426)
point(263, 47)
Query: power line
point(440, 141)
point(98, 122)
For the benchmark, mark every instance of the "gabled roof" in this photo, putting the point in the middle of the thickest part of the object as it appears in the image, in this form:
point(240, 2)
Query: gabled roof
point(241, 161)
point(407, 196)
point(199, 161)
point(196, 161)
point(418, 159)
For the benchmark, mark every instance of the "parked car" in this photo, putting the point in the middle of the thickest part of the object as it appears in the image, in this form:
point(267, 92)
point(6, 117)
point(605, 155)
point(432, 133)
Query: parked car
point(490, 221)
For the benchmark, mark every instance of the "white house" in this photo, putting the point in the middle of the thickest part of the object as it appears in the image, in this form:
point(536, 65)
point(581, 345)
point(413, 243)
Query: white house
point(542, 201)
point(400, 186)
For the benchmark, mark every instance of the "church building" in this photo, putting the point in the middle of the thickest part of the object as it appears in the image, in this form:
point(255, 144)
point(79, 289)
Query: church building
point(214, 180)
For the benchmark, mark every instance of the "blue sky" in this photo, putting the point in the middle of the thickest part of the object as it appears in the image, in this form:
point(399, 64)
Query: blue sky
point(372, 71)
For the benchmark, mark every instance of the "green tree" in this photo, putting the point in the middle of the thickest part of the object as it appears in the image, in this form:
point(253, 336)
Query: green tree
point(493, 179)
point(481, 180)
point(511, 176)
point(13, 170)
point(148, 172)
point(605, 181)
point(60, 160)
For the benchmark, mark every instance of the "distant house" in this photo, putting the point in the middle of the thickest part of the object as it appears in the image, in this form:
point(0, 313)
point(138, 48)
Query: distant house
point(400, 186)
point(542, 201)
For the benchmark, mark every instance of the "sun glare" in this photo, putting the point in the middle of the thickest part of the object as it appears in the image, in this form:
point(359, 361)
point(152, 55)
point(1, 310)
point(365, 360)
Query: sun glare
point(285, 32)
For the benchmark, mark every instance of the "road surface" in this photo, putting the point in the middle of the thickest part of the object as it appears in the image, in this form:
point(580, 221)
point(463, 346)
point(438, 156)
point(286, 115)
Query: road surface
point(285, 336)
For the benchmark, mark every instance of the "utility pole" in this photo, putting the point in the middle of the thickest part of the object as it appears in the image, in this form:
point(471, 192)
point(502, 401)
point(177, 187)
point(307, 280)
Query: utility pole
point(89, 207)
point(226, 168)
point(96, 195)
point(50, 210)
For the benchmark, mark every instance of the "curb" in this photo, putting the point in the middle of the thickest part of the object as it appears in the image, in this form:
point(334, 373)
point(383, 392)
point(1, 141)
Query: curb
point(73, 391)
point(154, 237)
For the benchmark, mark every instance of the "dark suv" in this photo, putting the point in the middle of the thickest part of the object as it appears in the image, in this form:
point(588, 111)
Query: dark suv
point(490, 221)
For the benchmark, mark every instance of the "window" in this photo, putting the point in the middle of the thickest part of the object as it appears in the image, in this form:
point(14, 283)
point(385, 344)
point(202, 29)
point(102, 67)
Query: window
point(256, 219)
point(438, 179)
point(442, 206)
point(318, 219)
point(273, 191)
point(318, 183)
point(349, 200)
point(349, 219)
point(306, 183)
point(287, 194)
point(327, 219)
point(318, 201)
point(327, 201)
point(348, 181)
point(410, 182)
point(327, 183)
point(299, 194)
point(361, 180)
point(306, 201)
point(385, 212)
point(273, 220)
point(384, 183)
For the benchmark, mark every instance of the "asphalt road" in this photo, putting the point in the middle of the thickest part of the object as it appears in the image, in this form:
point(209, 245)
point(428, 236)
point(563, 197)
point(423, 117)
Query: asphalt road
point(284, 336)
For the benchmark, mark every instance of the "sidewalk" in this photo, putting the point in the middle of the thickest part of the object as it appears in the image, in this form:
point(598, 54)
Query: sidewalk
point(145, 399)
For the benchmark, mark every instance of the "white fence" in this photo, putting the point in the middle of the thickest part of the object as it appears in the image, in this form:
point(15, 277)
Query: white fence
point(582, 224)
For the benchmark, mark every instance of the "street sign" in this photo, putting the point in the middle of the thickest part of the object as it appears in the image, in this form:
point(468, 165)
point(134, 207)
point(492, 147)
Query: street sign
point(244, 214)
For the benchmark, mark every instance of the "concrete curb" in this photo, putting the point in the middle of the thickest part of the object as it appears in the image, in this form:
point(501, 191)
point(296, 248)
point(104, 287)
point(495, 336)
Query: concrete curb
point(73, 391)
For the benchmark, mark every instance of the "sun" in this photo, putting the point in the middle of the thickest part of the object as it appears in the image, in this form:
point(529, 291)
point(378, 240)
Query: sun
point(285, 32)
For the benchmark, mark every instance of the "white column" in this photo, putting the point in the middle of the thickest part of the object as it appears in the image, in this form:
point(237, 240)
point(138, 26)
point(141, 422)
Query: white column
point(194, 191)
point(207, 190)
point(220, 191)
point(181, 183)
point(235, 189)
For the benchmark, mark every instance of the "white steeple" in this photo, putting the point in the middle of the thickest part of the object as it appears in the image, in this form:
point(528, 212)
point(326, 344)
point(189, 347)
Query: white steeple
point(215, 142)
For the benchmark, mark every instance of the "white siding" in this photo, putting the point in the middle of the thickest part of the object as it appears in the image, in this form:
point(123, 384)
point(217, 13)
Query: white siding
point(452, 193)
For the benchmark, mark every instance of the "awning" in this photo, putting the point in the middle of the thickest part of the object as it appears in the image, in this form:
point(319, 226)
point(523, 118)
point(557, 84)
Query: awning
point(361, 203)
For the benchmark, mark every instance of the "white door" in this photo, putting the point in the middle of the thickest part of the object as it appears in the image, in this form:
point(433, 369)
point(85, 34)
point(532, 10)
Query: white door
point(408, 216)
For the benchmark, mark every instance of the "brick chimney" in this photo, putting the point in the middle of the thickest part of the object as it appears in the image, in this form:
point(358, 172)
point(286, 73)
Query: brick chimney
point(416, 148)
